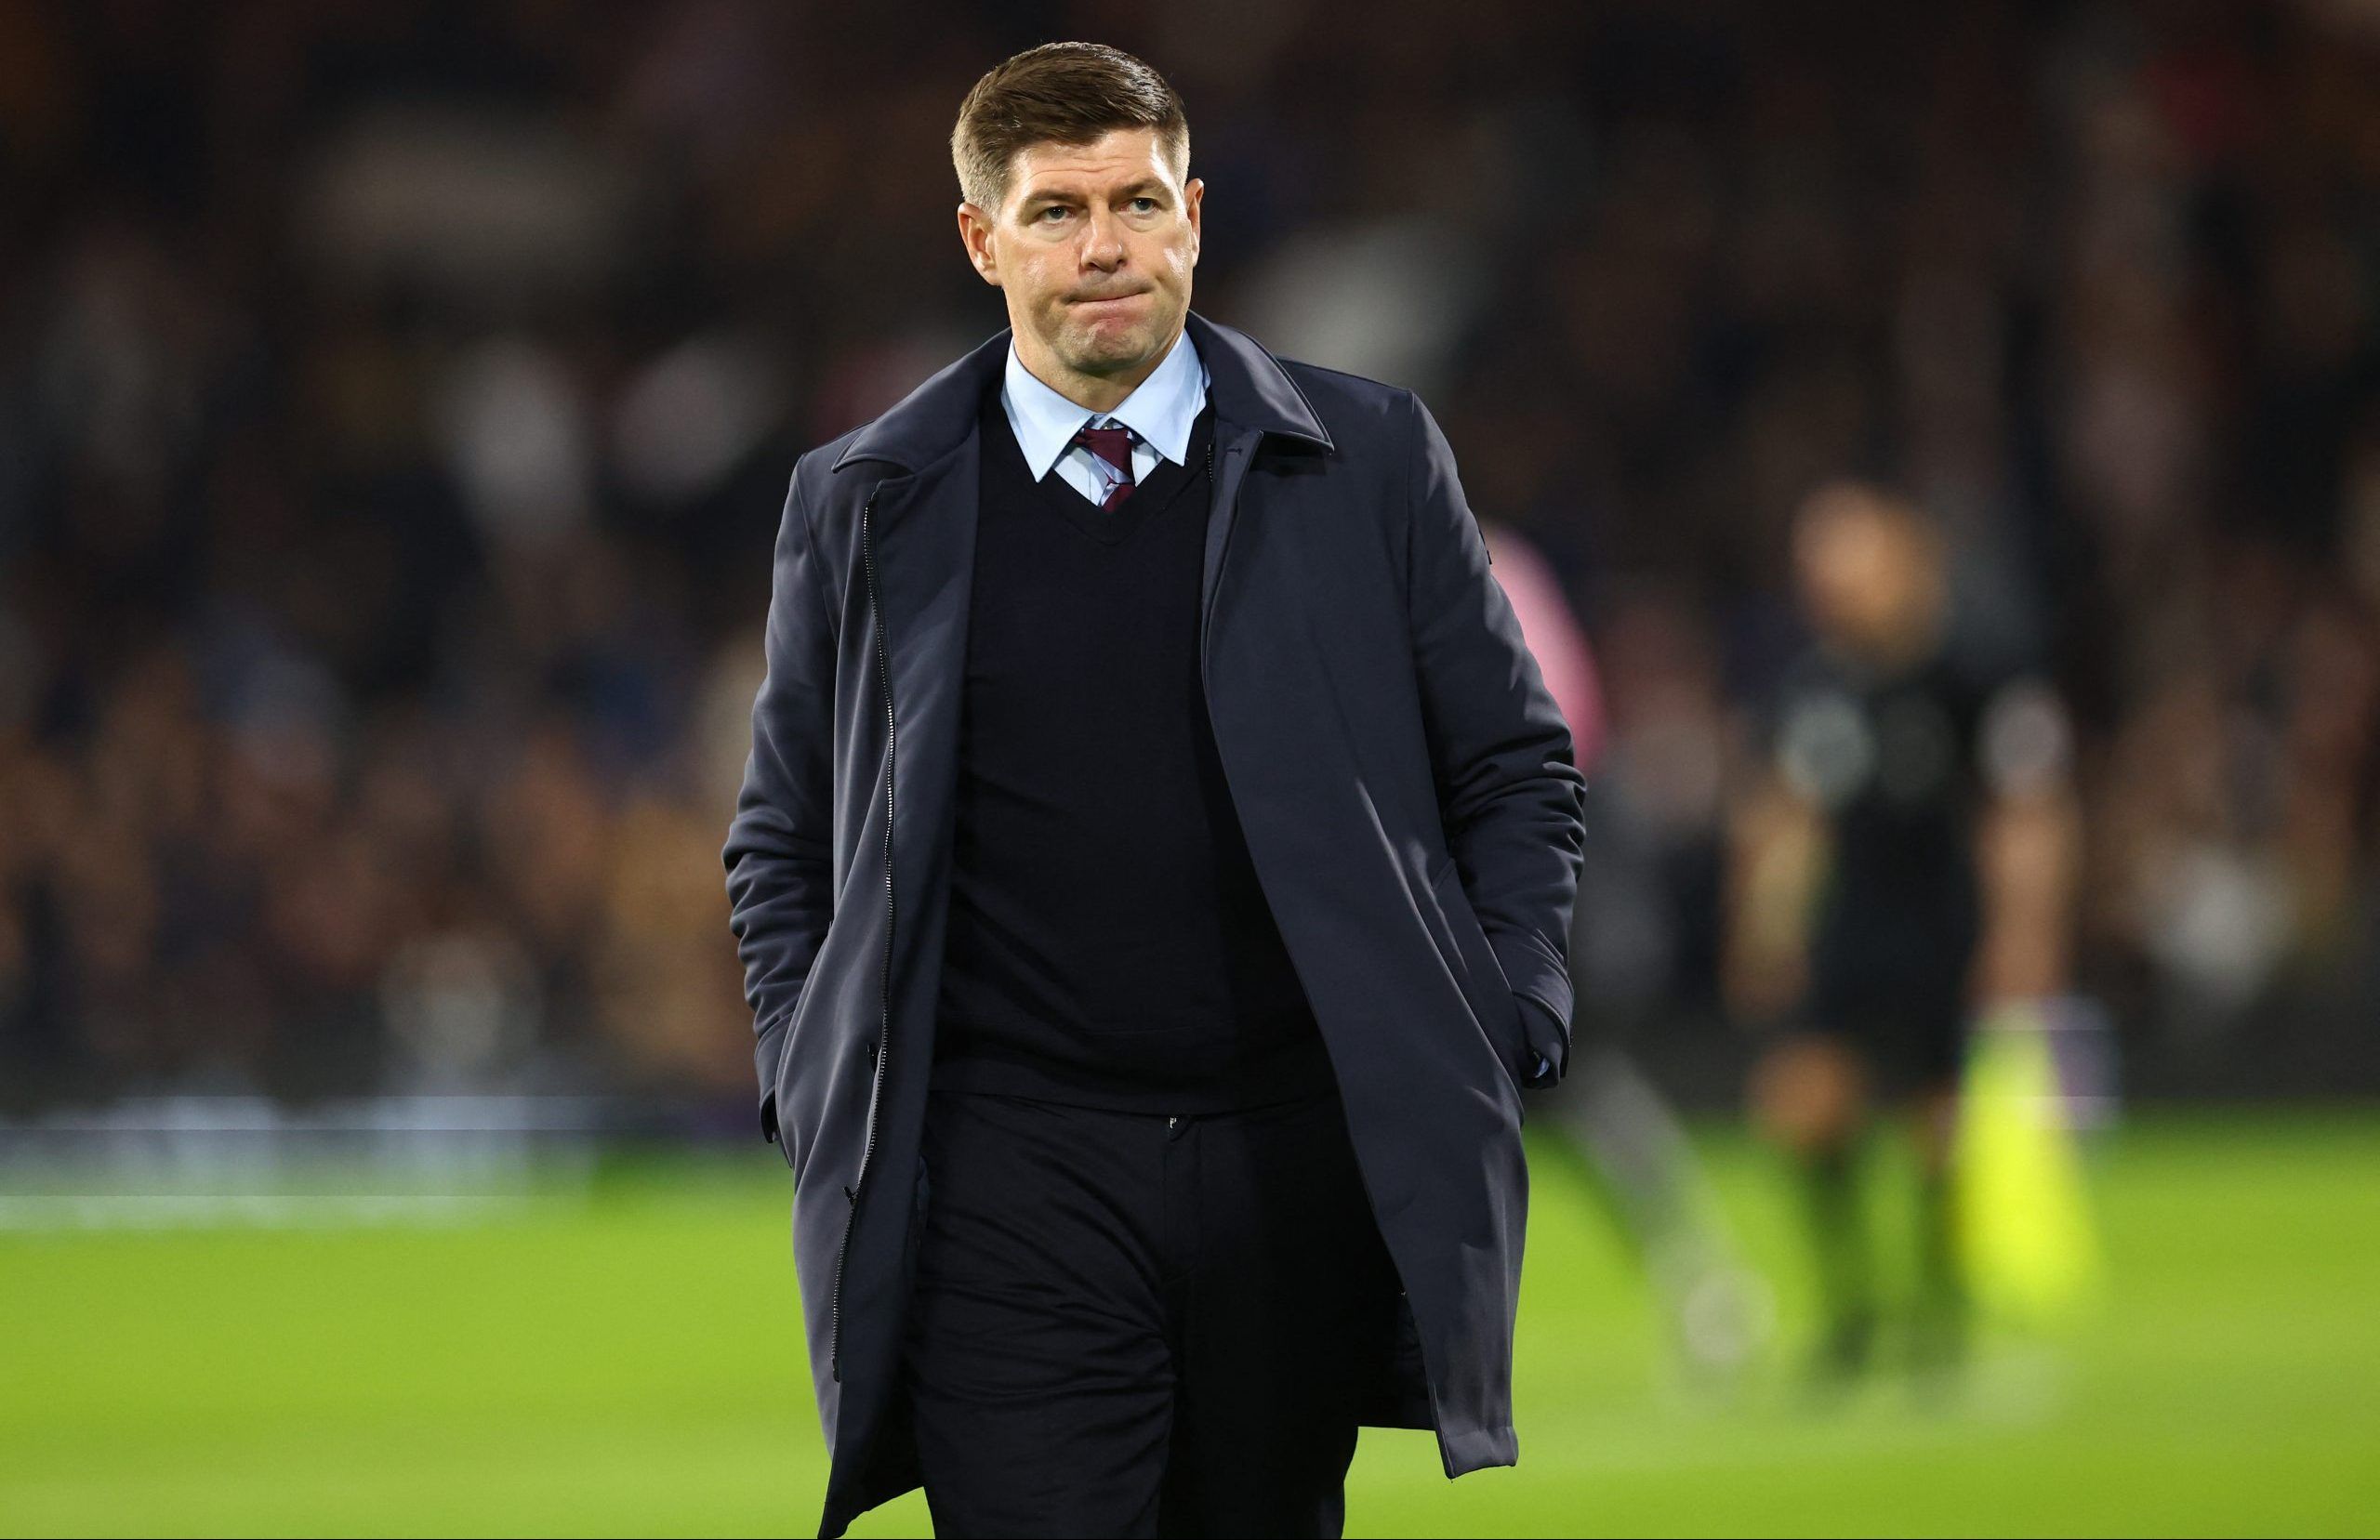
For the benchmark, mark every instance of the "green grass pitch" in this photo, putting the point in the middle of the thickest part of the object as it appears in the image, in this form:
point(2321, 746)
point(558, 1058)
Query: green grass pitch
point(628, 1361)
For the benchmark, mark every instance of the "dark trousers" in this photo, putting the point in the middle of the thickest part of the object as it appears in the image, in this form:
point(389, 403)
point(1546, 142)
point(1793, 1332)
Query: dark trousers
point(1137, 1324)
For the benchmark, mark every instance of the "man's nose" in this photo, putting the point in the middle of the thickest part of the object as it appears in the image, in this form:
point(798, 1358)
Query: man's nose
point(1103, 242)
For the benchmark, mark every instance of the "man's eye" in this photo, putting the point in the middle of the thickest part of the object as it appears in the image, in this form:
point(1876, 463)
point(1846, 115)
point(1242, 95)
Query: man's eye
point(1145, 204)
point(1059, 209)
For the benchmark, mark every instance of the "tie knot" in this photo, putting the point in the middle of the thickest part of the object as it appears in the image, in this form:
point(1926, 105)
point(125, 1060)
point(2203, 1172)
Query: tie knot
point(1111, 445)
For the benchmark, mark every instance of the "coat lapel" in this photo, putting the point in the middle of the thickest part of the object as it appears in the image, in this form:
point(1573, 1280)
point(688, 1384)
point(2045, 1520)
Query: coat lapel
point(924, 535)
point(1253, 396)
point(1230, 470)
point(920, 529)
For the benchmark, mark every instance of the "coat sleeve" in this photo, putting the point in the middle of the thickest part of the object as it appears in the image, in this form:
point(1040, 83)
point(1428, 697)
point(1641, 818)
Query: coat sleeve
point(1510, 793)
point(779, 851)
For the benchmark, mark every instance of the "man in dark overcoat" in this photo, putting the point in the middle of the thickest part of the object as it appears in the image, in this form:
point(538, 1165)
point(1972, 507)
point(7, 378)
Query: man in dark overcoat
point(1153, 877)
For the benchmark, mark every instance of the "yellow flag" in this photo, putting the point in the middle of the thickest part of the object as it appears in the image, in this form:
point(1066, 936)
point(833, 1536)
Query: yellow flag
point(2027, 1246)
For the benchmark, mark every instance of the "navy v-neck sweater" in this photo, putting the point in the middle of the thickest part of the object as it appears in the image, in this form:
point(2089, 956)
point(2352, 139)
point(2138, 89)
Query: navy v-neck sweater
point(1108, 944)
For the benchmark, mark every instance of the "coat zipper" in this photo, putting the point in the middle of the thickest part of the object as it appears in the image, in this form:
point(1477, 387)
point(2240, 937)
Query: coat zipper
point(881, 1049)
point(1207, 612)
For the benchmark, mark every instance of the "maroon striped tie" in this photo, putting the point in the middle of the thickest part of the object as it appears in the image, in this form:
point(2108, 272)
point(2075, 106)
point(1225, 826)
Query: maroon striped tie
point(1115, 446)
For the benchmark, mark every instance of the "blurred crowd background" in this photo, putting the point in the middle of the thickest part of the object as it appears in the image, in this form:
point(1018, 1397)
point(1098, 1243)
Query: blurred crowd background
point(396, 403)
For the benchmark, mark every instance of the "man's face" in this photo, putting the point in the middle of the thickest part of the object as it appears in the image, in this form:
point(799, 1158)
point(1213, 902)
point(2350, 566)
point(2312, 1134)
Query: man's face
point(1093, 246)
point(1864, 574)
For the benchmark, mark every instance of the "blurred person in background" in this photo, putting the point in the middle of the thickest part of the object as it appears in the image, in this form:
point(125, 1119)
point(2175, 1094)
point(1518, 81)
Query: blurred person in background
point(1903, 860)
point(1155, 1117)
point(1637, 1152)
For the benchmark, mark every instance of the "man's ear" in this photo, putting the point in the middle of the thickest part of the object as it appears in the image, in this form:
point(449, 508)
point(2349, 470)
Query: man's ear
point(975, 234)
point(1194, 195)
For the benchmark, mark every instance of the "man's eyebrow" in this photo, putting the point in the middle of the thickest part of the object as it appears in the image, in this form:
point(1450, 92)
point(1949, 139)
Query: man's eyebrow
point(1075, 195)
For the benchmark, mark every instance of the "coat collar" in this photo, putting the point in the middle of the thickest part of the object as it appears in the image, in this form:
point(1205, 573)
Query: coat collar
point(1248, 386)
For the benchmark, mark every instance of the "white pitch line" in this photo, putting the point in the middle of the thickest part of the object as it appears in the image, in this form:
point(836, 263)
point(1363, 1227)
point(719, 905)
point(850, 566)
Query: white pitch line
point(252, 1211)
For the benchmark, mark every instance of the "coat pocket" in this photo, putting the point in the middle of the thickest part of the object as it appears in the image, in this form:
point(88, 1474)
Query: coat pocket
point(1491, 998)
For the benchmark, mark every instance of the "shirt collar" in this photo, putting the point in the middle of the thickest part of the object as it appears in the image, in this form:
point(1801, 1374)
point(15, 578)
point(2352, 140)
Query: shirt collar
point(1161, 409)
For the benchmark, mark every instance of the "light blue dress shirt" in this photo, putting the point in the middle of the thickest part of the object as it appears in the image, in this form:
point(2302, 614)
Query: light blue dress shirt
point(1160, 411)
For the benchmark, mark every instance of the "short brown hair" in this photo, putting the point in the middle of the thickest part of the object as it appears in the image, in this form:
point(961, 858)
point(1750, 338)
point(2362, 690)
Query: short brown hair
point(1063, 93)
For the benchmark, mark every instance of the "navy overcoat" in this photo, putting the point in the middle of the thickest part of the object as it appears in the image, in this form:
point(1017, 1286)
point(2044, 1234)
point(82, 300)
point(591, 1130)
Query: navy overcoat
point(1403, 778)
